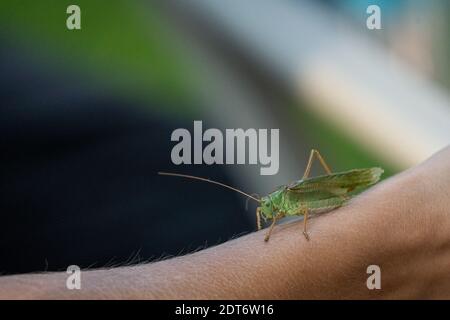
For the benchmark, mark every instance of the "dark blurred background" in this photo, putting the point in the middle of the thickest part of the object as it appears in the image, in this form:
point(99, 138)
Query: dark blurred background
point(86, 115)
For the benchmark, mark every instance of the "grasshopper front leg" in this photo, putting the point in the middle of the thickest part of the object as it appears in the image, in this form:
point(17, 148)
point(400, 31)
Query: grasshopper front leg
point(305, 220)
point(276, 217)
point(274, 220)
point(258, 218)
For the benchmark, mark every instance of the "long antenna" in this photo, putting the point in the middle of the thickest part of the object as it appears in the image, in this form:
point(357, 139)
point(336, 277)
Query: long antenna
point(207, 180)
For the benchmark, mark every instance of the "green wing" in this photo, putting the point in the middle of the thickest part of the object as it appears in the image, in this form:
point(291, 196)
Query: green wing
point(337, 183)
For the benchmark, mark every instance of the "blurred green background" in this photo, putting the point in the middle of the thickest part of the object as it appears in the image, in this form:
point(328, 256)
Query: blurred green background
point(310, 68)
point(137, 48)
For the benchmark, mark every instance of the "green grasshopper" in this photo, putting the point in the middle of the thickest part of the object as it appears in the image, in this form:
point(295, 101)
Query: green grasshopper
point(308, 195)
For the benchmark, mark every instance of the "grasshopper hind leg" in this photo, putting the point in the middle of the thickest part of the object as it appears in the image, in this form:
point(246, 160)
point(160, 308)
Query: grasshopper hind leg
point(315, 154)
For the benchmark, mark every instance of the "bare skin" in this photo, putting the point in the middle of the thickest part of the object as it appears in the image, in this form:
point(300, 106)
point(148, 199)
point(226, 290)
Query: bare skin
point(401, 224)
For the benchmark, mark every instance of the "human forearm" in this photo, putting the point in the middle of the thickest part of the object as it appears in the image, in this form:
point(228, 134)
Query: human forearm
point(332, 264)
point(402, 225)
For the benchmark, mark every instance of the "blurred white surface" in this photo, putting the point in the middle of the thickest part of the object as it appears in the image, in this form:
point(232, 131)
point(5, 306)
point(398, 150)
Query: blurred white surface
point(351, 80)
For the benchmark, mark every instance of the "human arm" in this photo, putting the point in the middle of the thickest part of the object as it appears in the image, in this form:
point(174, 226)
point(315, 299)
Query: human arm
point(401, 224)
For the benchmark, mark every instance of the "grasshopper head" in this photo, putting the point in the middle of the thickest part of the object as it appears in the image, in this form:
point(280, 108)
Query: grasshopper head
point(267, 208)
